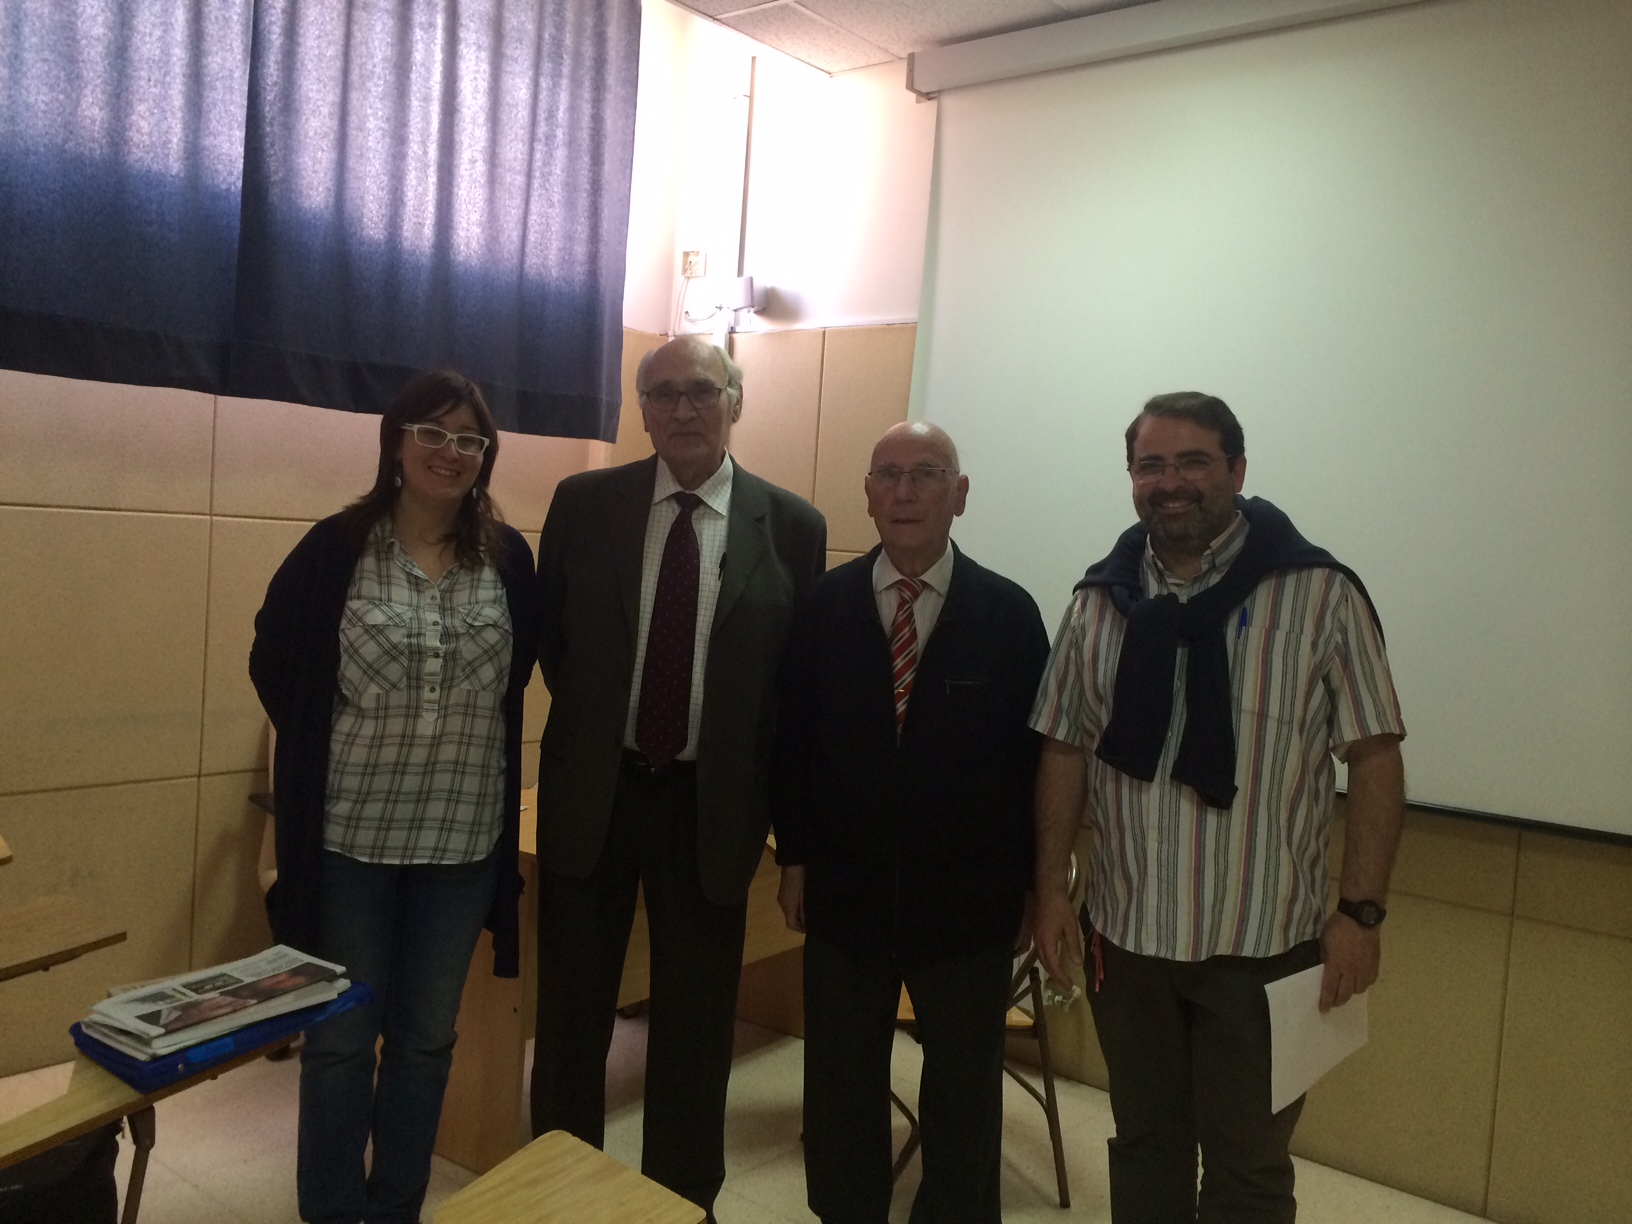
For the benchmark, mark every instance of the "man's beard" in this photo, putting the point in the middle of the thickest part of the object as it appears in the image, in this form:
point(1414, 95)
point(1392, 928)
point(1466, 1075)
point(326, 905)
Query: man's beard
point(1193, 532)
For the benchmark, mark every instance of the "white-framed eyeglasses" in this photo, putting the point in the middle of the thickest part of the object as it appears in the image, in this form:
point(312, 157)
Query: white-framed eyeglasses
point(924, 476)
point(435, 437)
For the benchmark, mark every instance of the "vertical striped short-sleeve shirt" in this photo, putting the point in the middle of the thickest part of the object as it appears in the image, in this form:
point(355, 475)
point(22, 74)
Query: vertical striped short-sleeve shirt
point(416, 749)
point(1169, 876)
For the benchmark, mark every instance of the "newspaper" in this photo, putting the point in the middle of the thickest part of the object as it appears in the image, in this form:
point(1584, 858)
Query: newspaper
point(180, 1005)
point(149, 1048)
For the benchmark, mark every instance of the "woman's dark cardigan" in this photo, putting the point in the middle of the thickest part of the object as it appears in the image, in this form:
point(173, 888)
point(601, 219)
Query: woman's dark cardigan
point(295, 664)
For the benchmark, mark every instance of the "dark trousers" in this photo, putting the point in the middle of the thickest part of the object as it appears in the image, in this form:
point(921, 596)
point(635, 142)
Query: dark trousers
point(696, 963)
point(1187, 1048)
point(850, 1008)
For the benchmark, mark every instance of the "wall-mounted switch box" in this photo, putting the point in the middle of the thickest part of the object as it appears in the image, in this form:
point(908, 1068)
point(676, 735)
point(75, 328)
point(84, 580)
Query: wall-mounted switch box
point(693, 264)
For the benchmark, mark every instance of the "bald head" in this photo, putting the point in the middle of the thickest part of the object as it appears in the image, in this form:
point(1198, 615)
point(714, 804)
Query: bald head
point(933, 437)
point(914, 491)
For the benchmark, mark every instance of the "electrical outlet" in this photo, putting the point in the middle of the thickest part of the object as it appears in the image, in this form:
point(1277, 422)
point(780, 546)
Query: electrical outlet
point(693, 264)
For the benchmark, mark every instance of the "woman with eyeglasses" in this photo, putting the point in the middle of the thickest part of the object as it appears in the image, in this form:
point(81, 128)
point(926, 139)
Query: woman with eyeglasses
point(391, 655)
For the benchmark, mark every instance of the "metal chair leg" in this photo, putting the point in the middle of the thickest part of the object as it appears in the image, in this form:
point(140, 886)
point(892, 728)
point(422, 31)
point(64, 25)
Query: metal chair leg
point(913, 1138)
point(1051, 1104)
point(141, 1125)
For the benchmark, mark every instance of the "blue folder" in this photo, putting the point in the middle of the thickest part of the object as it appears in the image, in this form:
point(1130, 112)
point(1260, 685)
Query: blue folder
point(150, 1076)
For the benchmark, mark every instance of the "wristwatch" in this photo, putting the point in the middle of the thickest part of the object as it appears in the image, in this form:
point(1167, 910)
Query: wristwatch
point(1367, 913)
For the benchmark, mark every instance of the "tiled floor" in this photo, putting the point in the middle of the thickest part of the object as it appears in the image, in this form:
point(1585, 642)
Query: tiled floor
point(226, 1150)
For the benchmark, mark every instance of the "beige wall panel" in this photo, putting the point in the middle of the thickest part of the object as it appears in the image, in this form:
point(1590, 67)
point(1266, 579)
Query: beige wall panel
point(836, 559)
point(528, 469)
point(244, 554)
point(1444, 858)
point(536, 708)
point(291, 461)
point(1562, 1150)
point(1413, 1108)
point(229, 913)
point(1465, 862)
point(101, 663)
point(105, 446)
point(632, 443)
point(529, 764)
point(126, 853)
point(1576, 883)
point(782, 388)
point(866, 374)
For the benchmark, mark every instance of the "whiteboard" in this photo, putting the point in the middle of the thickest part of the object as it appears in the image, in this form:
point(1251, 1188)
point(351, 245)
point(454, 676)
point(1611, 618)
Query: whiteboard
point(1400, 247)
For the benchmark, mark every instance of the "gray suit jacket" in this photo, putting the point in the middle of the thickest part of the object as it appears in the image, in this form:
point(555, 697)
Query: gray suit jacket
point(589, 576)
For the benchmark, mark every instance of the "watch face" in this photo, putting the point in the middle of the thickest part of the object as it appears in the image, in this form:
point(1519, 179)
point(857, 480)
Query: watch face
point(1366, 913)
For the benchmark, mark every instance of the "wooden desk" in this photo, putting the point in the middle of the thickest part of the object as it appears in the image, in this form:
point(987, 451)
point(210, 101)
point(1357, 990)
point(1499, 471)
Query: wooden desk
point(94, 1097)
point(484, 1118)
point(49, 931)
point(557, 1179)
point(5, 852)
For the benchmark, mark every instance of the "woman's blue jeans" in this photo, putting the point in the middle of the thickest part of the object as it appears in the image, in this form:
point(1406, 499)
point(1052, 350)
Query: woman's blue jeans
point(409, 932)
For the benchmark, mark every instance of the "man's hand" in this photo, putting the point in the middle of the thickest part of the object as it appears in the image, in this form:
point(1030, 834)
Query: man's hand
point(1058, 936)
point(790, 895)
point(1352, 954)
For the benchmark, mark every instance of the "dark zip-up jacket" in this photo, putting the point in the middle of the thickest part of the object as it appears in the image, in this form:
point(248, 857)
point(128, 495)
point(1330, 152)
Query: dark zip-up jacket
point(922, 847)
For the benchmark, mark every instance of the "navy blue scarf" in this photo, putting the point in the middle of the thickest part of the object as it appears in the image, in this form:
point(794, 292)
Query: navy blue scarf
point(1142, 704)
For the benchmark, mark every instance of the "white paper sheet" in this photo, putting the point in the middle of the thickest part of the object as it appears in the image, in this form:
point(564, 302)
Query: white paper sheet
point(1304, 1044)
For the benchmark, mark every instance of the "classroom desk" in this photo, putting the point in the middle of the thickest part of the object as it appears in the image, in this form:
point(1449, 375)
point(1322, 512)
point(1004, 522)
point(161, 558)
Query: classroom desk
point(38, 934)
point(94, 1097)
point(557, 1179)
point(484, 1114)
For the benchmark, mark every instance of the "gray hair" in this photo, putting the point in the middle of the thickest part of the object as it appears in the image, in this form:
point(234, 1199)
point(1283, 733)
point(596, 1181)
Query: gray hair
point(733, 372)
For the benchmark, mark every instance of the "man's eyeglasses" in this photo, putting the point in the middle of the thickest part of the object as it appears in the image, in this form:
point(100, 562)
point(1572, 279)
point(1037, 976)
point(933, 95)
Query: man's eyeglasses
point(1189, 467)
point(436, 438)
point(923, 476)
point(702, 394)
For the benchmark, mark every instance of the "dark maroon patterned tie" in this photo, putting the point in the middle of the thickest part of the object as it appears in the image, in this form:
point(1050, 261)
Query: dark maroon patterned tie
point(664, 715)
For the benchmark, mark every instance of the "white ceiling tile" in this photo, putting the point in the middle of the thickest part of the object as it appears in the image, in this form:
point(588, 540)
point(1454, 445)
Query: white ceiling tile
point(718, 8)
point(790, 29)
point(837, 35)
point(901, 26)
point(1081, 8)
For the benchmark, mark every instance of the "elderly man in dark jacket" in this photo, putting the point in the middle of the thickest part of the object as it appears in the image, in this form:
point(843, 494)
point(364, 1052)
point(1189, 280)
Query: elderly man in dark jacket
point(902, 797)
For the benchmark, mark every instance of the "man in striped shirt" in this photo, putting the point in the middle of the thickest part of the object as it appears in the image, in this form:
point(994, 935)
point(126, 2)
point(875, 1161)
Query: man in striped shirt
point(1206, 674)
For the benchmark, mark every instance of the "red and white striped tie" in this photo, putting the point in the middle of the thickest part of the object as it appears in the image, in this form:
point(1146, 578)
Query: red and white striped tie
point(904, 645)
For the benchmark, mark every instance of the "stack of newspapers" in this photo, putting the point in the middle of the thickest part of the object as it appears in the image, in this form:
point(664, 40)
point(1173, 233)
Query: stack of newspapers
point(160, 1018)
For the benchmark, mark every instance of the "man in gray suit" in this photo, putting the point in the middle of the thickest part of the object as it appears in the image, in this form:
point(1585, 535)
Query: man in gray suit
point(666, 588)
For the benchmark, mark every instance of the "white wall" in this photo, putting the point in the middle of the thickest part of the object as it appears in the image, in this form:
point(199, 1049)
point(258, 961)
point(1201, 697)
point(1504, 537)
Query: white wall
point(1398, 246)
point(837, 192)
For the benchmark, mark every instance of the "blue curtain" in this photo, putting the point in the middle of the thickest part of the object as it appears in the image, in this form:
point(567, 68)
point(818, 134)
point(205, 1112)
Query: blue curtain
point(310, 200)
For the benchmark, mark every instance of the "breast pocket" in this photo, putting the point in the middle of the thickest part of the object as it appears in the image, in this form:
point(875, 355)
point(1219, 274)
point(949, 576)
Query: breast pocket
point(971, 723)
point(376, 641)
point(484, 648)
